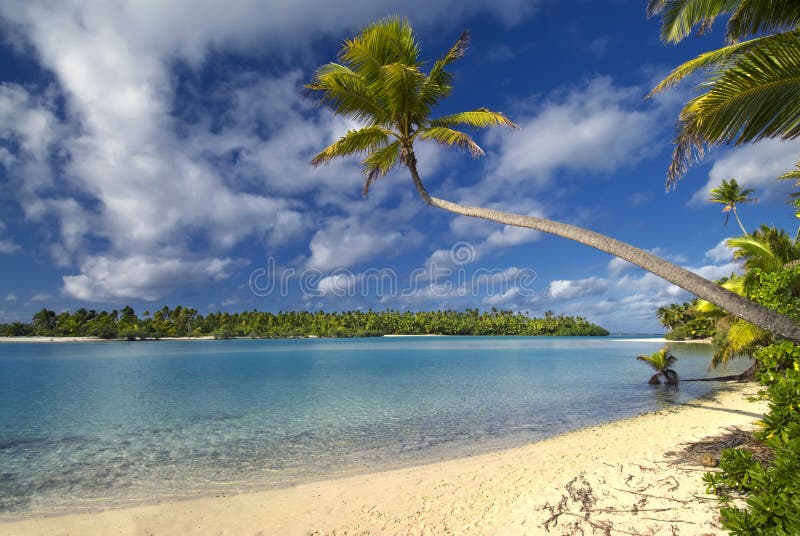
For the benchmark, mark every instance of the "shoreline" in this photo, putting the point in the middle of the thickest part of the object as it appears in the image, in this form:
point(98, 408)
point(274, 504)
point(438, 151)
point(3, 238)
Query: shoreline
point(500, 491)
point(48, 339)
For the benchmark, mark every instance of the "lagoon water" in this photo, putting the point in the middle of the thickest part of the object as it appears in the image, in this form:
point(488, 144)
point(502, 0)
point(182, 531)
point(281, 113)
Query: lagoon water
point(84, 425)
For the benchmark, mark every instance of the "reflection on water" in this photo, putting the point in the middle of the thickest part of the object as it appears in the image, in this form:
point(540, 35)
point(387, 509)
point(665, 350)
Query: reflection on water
point(102, 423)
point(665, 395)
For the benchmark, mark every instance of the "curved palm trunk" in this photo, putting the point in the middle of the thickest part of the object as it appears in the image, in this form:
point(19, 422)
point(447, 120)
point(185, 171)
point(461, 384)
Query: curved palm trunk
point(754, 313)
point(736, 215)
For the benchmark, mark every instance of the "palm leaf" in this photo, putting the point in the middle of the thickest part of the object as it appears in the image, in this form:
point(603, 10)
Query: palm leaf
point(379, 162)
point(438, 82)
point(345, 91)
point(763, 16)
point(480, 118)
point(353, 142)
point(448, 136)
point(756, 97)
point(398, 86)
point(389, 40)
point(679, 17)
point(715, 58)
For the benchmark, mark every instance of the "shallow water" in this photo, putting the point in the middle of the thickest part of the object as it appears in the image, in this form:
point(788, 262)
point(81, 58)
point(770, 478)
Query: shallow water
point(90, 424)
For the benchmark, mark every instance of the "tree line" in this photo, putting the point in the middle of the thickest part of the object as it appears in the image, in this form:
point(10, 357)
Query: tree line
point(187, 322)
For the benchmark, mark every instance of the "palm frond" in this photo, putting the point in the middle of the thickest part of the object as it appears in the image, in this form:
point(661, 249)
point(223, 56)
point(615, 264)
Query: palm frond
point(735, 283)
point(480, 118)
point(679, 17)
point(756, 97)
point(448, 136)
point(741, 340)
point(437, 85)
point(792, 175)
point(346, 92)
point(389, 40)
point(379, 162)
point(398, 88)
point(763, 16)
point(353, 142)
point(715, 58)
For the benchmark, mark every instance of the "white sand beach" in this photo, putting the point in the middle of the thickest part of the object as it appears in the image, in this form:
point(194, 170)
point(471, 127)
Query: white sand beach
point(616, 475)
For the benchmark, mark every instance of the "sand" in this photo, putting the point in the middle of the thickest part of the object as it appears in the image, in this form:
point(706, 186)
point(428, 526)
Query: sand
point(615, 475)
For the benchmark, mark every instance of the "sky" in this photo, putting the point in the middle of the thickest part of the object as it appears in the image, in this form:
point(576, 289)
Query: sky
point(157, 152)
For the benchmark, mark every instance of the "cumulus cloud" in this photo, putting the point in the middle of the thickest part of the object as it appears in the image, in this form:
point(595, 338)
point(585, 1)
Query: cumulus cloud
point(565, 289)
point(721, 252)
point(343, 243)
point(153, 175)
point(142, 277)
point(756, 166)
point(616, 266)
point(599, 128)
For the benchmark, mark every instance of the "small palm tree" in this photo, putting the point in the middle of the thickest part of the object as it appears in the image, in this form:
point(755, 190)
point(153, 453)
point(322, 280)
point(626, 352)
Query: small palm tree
point(730, 194)
point(661, 362)
point(380, 84)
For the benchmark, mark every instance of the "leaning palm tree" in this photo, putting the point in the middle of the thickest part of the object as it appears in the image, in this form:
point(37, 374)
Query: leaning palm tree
point(661, 362)
point(379, 82)
point(752, 86)
point(730, 194)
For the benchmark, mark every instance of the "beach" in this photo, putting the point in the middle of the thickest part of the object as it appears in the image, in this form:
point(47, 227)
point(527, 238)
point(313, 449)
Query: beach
point(616, 476)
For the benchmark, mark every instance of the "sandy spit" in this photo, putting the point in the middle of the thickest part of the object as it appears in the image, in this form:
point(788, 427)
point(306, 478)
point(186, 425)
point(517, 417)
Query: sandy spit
point(610, 479)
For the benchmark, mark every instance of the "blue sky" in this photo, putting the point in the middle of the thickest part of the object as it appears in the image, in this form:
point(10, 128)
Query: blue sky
point(157, 153)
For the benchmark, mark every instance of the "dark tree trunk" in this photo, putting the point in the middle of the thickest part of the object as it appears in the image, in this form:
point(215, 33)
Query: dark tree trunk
point(655, 379)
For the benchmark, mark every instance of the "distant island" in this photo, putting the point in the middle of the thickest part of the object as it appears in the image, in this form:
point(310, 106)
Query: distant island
point(186, 322)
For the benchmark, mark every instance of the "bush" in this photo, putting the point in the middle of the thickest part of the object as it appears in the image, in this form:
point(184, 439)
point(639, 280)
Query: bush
point(773, 490)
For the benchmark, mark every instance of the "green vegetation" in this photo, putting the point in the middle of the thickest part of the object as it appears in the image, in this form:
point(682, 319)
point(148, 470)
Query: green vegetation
point(751, 91)
point(661, 361)
point(751, 88)
point(184, 321)
point(685, 322)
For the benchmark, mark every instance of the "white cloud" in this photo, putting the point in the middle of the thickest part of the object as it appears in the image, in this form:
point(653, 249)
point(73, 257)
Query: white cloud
point(340, 284)
point(757, 165)
point(151, 184)
point(597, 128)
point(721, 252)
point(11, 297)
point(8, 246)
point(565, 289)
point(345, 242)
point(142, 277)
point(616, 266)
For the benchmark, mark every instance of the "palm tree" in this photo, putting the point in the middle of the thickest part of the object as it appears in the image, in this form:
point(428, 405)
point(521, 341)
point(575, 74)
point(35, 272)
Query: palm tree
point(380, 84)
point(661, 362)
point(752, 86)
point(730, 194)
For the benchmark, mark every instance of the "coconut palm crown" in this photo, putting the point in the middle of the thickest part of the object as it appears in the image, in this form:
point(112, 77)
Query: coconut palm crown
point(751, 89)
point(730, 194)
point(661, 361)
point(379, 82)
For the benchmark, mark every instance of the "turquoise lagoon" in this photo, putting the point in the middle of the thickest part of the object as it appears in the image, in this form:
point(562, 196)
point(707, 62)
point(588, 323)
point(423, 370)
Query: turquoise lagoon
point(86, 425)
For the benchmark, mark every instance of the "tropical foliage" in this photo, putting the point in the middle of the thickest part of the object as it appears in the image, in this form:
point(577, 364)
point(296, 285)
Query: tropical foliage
point(661, 361)
point(184, 321)
point(751, 88)
point(686, 322)
point(771, 490)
